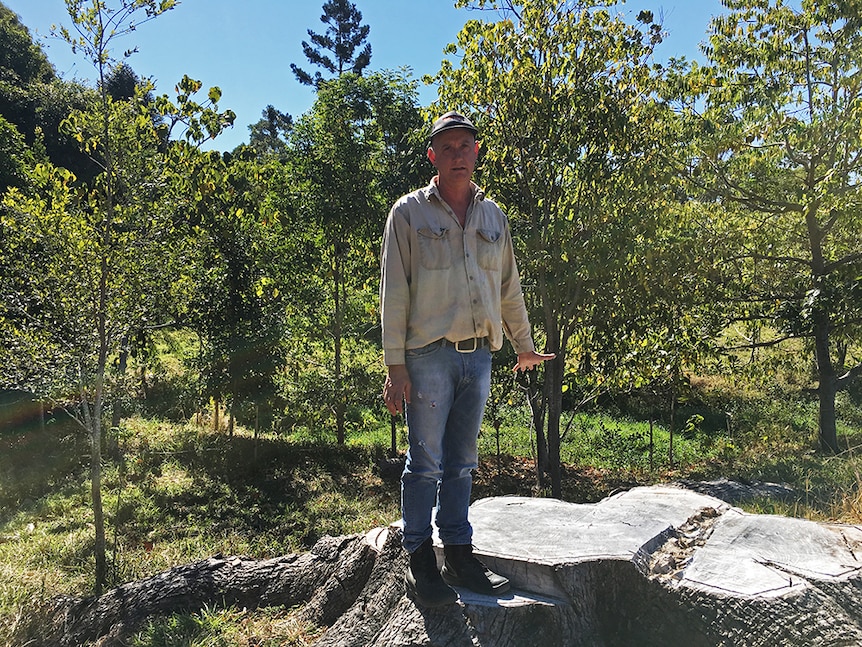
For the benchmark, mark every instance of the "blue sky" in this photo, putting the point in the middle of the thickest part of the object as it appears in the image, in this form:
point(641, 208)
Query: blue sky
point(246, 47)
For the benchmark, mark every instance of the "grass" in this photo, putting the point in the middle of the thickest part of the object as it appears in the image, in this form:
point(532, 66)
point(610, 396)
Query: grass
point(184, 492)
point(615, 444)
point(272, 627)
point(829, 488)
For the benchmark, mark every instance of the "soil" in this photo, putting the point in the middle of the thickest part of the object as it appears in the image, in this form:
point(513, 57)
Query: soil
point(517, 476)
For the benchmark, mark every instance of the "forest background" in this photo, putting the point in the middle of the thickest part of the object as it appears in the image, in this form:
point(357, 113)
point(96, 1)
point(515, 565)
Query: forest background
point(205, 323)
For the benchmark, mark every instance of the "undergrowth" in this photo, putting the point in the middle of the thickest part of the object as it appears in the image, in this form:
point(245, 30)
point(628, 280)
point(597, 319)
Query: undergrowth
point(177, 493)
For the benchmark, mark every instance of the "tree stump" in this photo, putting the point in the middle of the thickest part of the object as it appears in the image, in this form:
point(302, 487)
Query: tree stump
point(327, 580)
point(652, 566)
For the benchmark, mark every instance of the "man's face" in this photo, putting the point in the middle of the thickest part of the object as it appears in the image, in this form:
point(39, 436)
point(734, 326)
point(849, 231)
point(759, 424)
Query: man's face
point(453, 153)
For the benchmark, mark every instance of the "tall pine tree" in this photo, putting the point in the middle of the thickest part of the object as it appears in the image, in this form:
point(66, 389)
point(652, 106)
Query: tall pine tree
point(343, 39)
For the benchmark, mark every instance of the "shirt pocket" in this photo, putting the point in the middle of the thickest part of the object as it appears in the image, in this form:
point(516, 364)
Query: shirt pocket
point(435, 249)
point(489, 249)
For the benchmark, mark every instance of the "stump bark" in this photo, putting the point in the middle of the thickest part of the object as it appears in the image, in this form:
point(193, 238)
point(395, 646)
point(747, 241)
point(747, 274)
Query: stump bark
point(326, 580)
point(652, 566)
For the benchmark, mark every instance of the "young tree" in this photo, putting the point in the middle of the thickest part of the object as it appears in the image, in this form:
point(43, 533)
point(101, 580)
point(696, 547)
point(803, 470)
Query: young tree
point(90, 252)
point(776, 119)
point(344, 34)
point(95, 29)
point(237, 272)
point(351, 154)
point(560, 93)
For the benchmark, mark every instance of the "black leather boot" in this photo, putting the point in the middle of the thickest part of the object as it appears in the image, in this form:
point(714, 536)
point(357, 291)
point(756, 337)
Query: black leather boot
point(461, 568)
point(424, 581)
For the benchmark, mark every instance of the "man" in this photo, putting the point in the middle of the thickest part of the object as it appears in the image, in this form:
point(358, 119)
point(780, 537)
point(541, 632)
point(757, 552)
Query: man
point(449, 287)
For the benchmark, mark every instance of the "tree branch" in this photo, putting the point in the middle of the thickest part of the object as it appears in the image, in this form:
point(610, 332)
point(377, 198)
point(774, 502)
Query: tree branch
point(761, 344)
point(843, 382)
point(763, 257)
point(846, 260)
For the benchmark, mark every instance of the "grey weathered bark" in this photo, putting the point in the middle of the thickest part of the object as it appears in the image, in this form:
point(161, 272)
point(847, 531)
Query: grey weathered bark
point(327, 580)
point(652, 566)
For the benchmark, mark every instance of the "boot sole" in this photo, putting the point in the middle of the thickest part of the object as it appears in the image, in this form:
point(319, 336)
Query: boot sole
point(451, 580)
point(414, 595)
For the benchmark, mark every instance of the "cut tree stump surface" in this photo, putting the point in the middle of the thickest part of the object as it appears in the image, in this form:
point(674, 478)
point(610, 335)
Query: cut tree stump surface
point(664, 565)
point(653, 566)
point(743, 554)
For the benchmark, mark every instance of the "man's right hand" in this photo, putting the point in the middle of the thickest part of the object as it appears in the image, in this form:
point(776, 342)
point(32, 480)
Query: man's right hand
point(396, 389)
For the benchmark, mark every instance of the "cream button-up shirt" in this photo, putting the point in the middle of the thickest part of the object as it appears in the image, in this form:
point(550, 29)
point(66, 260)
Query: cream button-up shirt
point(441, 280)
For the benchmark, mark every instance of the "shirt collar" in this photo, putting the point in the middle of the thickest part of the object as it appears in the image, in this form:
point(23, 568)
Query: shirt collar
point(431, 189)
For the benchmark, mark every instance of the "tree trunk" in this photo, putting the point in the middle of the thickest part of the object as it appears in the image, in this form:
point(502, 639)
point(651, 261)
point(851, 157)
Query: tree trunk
point(646, 568)
point(100, 543)
point(327, 579)
point(338, 331)
point(822, 352)
point(92, 419)
point(554, 376)
point(827, 426)
point(651, 446)
point(826, 389)
point(535, 399)
point(350, 584)
point(672, 425)
point(113, 437)
point(122, 366)
point(553, 395)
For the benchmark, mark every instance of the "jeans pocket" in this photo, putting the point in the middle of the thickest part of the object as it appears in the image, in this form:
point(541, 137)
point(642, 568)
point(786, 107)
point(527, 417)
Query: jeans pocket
point(424, 351)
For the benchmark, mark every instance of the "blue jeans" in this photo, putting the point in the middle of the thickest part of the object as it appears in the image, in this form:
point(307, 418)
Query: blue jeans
point(448, 395)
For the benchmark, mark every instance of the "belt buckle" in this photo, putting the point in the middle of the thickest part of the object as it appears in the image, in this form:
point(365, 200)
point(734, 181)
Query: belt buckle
point(467, 350)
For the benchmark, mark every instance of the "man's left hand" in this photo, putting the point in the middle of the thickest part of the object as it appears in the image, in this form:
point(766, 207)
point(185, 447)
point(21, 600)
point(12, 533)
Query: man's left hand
point(530, 360)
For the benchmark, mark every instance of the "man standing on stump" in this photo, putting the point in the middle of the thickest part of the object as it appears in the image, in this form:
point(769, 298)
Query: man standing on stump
point(449, 288)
